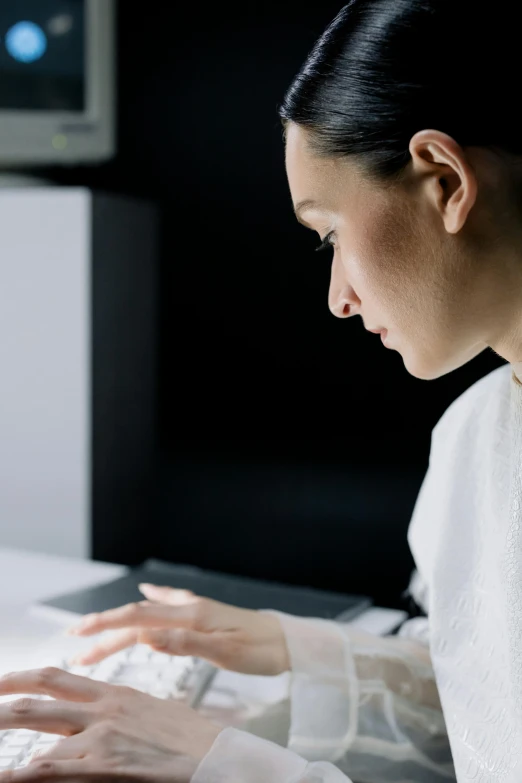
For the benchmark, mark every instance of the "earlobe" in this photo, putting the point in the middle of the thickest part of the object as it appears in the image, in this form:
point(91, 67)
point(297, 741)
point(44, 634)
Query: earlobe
point(447, 174)
point(459, 204)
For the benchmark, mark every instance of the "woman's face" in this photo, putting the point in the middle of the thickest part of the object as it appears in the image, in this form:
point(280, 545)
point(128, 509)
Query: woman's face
point(394, 262)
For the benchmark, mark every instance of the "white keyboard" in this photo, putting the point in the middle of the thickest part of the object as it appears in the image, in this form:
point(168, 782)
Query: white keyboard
point(161, 675)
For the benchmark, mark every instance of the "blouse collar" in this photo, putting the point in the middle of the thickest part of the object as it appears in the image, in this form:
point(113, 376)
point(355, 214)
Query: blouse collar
point(517, 369)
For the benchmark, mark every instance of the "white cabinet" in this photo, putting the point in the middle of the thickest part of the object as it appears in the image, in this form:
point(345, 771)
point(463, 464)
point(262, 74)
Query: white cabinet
point(77, 285)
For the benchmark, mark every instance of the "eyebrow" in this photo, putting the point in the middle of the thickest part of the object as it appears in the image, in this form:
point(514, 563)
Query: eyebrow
point(307, 203)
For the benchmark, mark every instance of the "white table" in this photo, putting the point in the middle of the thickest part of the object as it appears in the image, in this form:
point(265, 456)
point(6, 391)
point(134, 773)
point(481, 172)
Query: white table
point(26, 577)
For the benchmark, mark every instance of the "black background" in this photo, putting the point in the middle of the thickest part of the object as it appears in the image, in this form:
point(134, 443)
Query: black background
point(291, 445)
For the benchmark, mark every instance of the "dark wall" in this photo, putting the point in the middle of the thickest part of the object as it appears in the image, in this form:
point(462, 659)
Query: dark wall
point(290, 444)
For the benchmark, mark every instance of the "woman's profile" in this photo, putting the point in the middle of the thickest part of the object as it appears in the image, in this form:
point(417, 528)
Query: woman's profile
point(403, 151)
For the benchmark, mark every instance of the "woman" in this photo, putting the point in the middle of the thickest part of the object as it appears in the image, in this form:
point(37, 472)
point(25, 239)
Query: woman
point(402, 152)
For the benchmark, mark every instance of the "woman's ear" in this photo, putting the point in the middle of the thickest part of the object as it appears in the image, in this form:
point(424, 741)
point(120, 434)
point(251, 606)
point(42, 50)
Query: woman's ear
point(449, 181)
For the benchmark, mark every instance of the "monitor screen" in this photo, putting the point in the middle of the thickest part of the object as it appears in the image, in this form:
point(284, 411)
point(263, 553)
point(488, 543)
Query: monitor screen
point(42, 55)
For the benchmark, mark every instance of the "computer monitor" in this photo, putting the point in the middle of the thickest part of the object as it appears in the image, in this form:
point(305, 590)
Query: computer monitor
point(57, 91)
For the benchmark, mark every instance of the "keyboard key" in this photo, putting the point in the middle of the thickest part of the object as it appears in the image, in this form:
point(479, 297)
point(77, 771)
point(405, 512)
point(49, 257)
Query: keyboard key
point(26, 733)
point(19, 741)
point(106, 670)
point(139, 653)
point(47, 739)
point(11, 753)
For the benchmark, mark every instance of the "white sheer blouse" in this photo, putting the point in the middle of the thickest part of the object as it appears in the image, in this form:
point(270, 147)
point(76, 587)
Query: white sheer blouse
point(442, 701)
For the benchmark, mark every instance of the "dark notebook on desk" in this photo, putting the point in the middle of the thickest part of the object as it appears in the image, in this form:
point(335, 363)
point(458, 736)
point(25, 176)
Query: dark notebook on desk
point(236, 590)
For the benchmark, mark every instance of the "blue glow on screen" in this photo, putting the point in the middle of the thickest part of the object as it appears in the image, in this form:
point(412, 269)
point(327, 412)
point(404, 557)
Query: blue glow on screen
point(26, 42)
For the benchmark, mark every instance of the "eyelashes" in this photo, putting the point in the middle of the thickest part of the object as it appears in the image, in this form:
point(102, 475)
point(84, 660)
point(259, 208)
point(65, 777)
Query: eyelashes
point(325, 244)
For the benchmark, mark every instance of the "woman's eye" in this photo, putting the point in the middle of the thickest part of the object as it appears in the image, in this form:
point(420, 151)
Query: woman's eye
point(326, 243)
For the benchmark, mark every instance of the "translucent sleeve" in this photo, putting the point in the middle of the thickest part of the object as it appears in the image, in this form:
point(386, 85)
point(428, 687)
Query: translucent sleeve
point(367, 704)
point(239, 757)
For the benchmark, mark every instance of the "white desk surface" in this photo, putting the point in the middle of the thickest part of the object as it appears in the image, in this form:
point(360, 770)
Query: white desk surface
point(26, 577)
point(32, 576)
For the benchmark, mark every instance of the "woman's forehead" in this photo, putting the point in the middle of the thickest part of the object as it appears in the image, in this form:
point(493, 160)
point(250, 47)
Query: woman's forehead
point(323, 181)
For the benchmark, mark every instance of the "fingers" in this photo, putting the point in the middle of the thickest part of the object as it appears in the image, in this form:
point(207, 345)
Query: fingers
point(136, 615)
point(50, 770)
point(168, 595)
point(52, 717)
point(119, 640)
point(74, 747)
point(218, 648)
point(52, 682)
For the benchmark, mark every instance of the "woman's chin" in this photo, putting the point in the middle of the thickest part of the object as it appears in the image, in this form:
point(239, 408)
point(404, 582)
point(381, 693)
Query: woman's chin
point(422, 368)
point(426, 370)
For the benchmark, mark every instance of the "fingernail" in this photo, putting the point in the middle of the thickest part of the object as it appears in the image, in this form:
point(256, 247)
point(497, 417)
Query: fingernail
point(146, 586)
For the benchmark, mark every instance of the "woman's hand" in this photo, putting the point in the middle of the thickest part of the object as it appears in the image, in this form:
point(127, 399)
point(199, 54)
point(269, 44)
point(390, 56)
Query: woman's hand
point(181, 623)
point(111, 732)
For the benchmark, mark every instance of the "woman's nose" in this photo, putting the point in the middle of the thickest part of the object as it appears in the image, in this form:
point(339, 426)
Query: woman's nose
point(341, 309)
point(342, 299)
point(342, 303)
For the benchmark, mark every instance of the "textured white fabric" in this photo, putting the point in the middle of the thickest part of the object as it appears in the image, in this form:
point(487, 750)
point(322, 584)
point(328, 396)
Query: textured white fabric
point(366, 709)
point(465, 537)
